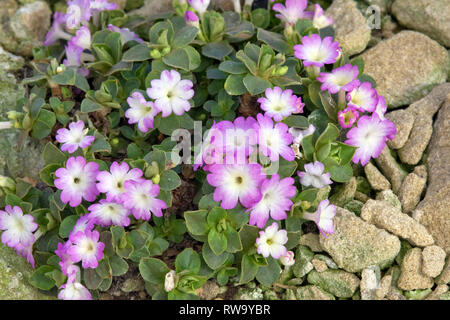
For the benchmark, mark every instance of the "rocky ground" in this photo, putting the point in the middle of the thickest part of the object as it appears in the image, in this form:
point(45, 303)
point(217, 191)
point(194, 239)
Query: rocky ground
point(392, 238)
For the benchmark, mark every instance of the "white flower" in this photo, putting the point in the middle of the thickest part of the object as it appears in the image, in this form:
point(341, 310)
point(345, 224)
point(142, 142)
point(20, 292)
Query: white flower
point(169, 282)
point(271, 242)
point(314, 175)
point(323, 217)
point(18, 228)
point(74, 291)
point(199, 5)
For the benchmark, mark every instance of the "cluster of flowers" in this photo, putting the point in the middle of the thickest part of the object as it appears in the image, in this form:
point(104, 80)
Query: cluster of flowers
point(73, 26)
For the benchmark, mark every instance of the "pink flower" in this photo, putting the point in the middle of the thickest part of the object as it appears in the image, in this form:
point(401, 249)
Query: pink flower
point(78, 12)
point(317, 52)
point(108, 213)
point(126, 34)
point(75, 137)
point(17, 228)
point(199, 5)
point(342, 78)
point(299, 134)
point(102, 5)
point(112, 182)
point(57, 31)
point(323, 217)
point(293, 11)
point(236, 182)
point(320, 20)
point(171, 93)
point(381, 107)
point(65, 262)
point(364, 98)
point(212, 148)
point(271, 242)
point(279, 104)
point(77, 181)
point(273, 140)
point(275, 200)
point(82, 38)
point(84, 223)
point(26, 252)
point(74, 291)
point(314, 175)
point(73, 55)
point(348, 117)
point(86, 248)
point(191, 19)
point(369, 136)
point(141, 111)
point(288, 259)
point(140, 198)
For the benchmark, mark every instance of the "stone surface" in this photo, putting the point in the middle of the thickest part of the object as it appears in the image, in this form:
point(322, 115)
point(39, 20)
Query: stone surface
point(438, 292)
point(328, 261)
point(385, 286)
point(302, 265)
point(355, 206)
point(412, 277)
point(433, 258)
point(418, 140)
point(385, 216)
point(10, 62)
point(352, 31)
point(370, 282)
point(431, 103)
point(311, 292)
point(209, 291)
point(411, 189)
point(403, 120)
point(311, 240)
point(344, 193)
point(15, 273)
point(24, 28)
point(319, 265)
point(433, 211)
point(339, 283)
point(389, 196)
point(376, 178)
point(391, 169)
point(431, 17)
point(406, 67)
point(444, 277)
point(357, 244)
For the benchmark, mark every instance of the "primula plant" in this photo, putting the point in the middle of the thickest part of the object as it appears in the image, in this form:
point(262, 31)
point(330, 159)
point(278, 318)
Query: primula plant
point(258, 111)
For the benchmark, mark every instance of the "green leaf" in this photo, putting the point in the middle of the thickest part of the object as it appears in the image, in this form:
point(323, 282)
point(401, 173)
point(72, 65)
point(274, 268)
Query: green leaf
point(169, 180)
point(67, 225)
point(186, 58)
point(153, 270)
point(286, 168)
point(188, 259)
point(308, 147)
point(275, 40)
point(366, 78)
point(42, 279)
point(43, 125)
point(293, 239)
point(217, 241)
point(88, 105)
point(184, 36)
point(260, 18)
point(233, 67)
point(118, 266)
point(100, 144)
point(91, 279)
point(138, 52)
point(330, 134)
point(249, 269)
point(248, 235)
point(341, 173)
point(359, 62)
point(234, 85)
point(217, 50)
point(212, 260)
point(267, 275)
point(234, 243)
point(196, 222)
point(52, 155)
point(296, 121)
point(303, 25)
point(256, 85)
point(215, 216)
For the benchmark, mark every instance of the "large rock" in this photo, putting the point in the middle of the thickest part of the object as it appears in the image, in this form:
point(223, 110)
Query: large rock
point(356, 244)
point(311, 292)
point(337, 282)
point(431, 17)
point(391, 169)
point(433, 211)
point(24, 28)
point(352, 31)
point(15, 273)
point(433, 258)
point(412, 188)
point(412, 277)
point(406, 67)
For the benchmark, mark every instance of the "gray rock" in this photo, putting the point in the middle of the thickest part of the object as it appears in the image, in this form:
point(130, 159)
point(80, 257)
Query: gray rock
point(10, 62)
point(24, 28)
point(431, 17)
point(382, 4)
point(356, 244)
point(406, 67)
point(15, 273)
point(311, 292)
point(412, 277)
point(376, 178)
point(433, 211)
point(153, 7)
point(411, 189)
point(391, 169)
point(328, 261)
point(389, 196)
point(370, 282)
point(385, 286)
point(352, 31)
point(385, 216)
point(431, 103)
point(438, 292)
point(339, 283)
point(418, 140)
point(403, 120)
point(311, 240)
point(319, 265)
point(433, 258)
point(302, 265)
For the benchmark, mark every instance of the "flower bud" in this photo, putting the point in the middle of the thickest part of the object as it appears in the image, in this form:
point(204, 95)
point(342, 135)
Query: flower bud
point(288, 259)
point(152, 170)
point(166, 50)
point(14, 115)
point(169, 282)
point(7, 183)
point(156, 179)
point(305, 205)
point(155, 54)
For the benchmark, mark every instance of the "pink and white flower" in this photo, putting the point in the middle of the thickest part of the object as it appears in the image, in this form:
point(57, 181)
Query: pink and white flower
point(75, 137)
point(77, 181)
point(275, 200)
point(292, 11)
point(84, 223)
point(317, 52)
point(112, 182)
point(65, 262)
point(140, 198)
point(236, 182)
point(26, 252)
point(381, 107)
point(82, 38)
point(348, 117)
point(171, 93)
point(73, 55)
point(108, 213)
point(57, 31)
point(314, 175)
point(342, 78)
point(86, 248)
point(141, 111)
point(191, 19)
point(17, 228)
point(102, 5)
point(78, 12)
point(274, 140)
point(320, 20)
point(212, 148)
point(363, 98)
point(199, 5)
point(126, 34)
point(298, 134)
point(74, 291)
point(271, 242)
point(279, 104)
point(288, 259)
point(370, 136)
point(323, 217)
